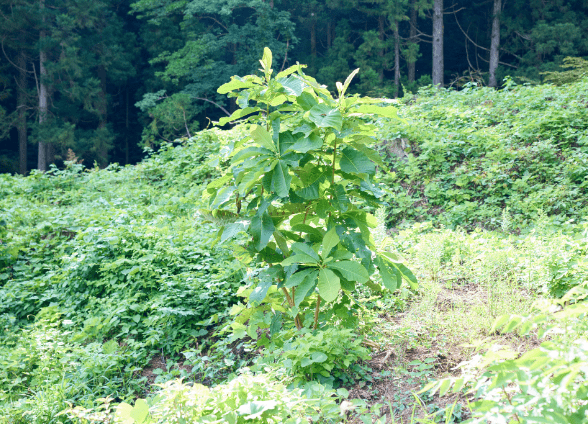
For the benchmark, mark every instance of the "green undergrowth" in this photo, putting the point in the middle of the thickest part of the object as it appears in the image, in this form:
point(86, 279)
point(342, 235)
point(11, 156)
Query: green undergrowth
point(101, 270)
point(110, 280)
point(473, 153)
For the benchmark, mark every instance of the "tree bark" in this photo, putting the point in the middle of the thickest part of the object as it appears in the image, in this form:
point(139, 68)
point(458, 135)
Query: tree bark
point(438, 64)
point(127, 127)
point(103, 110)
point(313, 42)
point(413, 40)
point(495, 42)
point(382, 37)
point(21, 104)
point(43, 95)
point(396, 59)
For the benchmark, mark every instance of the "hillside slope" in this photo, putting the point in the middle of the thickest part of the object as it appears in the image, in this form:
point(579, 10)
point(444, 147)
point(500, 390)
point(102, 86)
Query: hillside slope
point(476, 152)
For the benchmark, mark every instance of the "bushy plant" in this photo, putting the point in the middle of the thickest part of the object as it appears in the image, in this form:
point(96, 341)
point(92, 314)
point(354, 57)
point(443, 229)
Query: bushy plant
point(331, 356)
point(246, 399)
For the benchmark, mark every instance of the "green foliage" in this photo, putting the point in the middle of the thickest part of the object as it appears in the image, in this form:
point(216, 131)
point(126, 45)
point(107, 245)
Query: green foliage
point(46, 362)
point(256, 399)
point(577, 69)
point(330, 356)
point(172, 118)
point(122, 259)
point(471, 154)
point(546, 384)
point(304, 168)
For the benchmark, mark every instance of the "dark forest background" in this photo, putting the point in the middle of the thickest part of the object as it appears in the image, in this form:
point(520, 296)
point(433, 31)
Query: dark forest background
point(101, 80)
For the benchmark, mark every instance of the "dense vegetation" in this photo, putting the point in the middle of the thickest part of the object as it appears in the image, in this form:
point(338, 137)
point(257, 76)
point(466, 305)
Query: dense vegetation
point(106, 78)
point(111, 281)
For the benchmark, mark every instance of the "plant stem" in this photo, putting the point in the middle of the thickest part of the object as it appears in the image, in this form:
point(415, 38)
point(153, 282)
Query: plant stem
point(316, 312)
point(510, 403)
point(291, 303)
point(334, 156)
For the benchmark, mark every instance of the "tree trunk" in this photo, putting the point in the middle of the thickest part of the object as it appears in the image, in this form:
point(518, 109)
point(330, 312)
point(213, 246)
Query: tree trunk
point(313, 43)
point(413, 40)
point(495, 43)
point(43, 95)
point(21, 104)
point(396, 59)
point(382, 36)
point(438, 65)
point(103, 110)
point(127, 127)
point(329, 31)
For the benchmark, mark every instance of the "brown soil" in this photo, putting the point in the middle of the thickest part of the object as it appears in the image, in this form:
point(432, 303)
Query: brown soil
point(398, 388)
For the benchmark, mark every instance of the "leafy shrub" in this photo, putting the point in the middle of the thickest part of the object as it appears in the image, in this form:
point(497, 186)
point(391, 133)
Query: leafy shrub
point(330, 356)
point(256, 399)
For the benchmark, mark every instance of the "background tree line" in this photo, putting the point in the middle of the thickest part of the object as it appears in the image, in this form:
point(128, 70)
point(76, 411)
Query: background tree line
point(106, 78)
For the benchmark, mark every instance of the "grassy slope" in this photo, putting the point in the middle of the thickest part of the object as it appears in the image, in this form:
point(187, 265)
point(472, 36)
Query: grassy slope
point(116, 267)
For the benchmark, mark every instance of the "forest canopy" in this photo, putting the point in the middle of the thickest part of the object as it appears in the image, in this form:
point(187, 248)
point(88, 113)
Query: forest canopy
point(107, 79)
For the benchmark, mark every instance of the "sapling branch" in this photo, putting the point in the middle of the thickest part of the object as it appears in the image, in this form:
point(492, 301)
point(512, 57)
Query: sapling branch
point(291, 303)
point(316, 311)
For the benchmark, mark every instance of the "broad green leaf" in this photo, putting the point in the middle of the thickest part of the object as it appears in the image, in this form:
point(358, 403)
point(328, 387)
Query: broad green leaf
point(140, 411)
point(266, 60)
point(312, 182)
point(297, 278)
point(444, 387)
point(348, 81)
point(231, 231)
point(263, 137)
point(369, 152)
point(341, 197)
point(289, 71)
point(248, 152)
point(261, 228)
point(391, 277)
point(326, 117)
point(387, 112)
point(293, 85)
point(259, 293)
point(328, 285)
point(238, 114)
point(408, 276)
point(392, 257)
point(314, 233)
point(281, 179)
point(306, 249)
point(350, 270)
point(354, 162)
point(314, 357)
point(278, 100)
point(312, 142)
point(254, 409)
point(281, 240)
point(299, 258)
point(305, 288)
point(306, 101)
point(330, 240)
point(223, 195)
point(234, 84)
